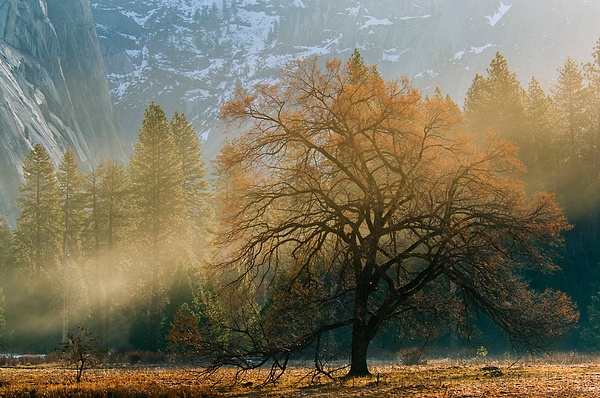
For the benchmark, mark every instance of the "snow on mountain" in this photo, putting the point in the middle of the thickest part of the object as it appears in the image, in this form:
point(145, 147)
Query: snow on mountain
point(187, 55)
point(502, 9)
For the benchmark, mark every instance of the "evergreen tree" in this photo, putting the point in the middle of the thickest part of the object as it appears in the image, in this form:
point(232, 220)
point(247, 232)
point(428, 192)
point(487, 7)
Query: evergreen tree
point(3, 331)
point(38, 230)
point(92, 232)
point(195, 185)
point(157, 191)
point(577, 187)
point(5, 237)
point(496, 102)
point(478, 104)
point(592, 74)
point(591, 332)
point(180, 293)
point(37, 239)
point(116, 220)
point(70, 183)
point(542, 126)
point(570, 94)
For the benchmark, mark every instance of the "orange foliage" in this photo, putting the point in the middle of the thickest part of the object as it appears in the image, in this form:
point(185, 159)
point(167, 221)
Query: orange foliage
point(339, 168)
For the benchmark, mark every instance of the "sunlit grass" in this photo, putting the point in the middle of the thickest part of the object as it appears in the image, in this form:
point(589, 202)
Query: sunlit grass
point(556, 378)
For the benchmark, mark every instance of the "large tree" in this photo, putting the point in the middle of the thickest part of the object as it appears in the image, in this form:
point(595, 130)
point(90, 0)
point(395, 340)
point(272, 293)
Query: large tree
point(70, 183)
point(157, 181)
point(542, 123)
point(195, 185)
point(37, 250)
point(108, 229)
point(496, 102)
point(38, 232)
point(571, 95)
point(370, 198)
point(592, 73)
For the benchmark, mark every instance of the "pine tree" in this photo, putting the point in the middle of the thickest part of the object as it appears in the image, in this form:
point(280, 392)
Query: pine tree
point(592, 74)
point(5, 238)
point(70, 183)
point(180, 293)
point(195, 185)
point(541, 124)
point(496, 102)
point(38, 231)
point(591, 332)
point(478, 104)
point(92, 244)
point(117, 222)
point(157, 191)
point(37, 240)
point(3, 331)
point(570, 94)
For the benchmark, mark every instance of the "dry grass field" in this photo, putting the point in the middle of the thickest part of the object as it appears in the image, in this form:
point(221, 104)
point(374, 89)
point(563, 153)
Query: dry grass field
point(438, 379)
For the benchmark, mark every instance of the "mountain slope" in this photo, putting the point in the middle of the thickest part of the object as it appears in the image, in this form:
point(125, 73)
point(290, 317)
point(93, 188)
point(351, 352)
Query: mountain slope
point(41, 101)
point(188, 54)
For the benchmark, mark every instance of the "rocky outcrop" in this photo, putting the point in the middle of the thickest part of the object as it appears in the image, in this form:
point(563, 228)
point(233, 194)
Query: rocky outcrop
point(84, 74)
point(53, 89)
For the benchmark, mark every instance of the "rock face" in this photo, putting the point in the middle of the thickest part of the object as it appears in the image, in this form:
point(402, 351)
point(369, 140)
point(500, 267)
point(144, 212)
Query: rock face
point(53, 88)
point(187, 55)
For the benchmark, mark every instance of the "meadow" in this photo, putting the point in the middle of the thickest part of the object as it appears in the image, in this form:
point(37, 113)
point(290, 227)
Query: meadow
point(563, 376)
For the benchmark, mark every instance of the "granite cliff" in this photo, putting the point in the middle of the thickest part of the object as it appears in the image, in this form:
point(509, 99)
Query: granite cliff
point(53, 88)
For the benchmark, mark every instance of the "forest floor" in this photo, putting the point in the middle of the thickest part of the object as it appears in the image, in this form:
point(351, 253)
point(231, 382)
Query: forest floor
point(442, 378)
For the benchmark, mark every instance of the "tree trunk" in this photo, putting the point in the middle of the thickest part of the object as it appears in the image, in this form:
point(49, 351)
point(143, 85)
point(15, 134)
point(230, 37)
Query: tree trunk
point(65, 320)
point(153, 323)
point(154, 314)
point(360, 345)
point(360, 335)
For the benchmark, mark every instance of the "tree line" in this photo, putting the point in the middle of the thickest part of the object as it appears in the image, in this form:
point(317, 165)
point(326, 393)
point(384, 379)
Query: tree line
point(350, 214)
point(558, 137)
point(110, 248)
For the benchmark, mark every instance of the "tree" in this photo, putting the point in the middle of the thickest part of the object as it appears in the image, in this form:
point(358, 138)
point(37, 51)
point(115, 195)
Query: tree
point(571, 96)
point(5, 237)
point(542, 123)
point(70, 183)
point(3, 331)
point(496, 102)
point(592, 74)
point(184, 335)
point(195, 185)
point(591, 333)
point(108, 228)
point(81, 350)
point(38, 231)
point(180, 293)
point(360, 186)
point(116, 221)
point(37, 247)
point(157, 181)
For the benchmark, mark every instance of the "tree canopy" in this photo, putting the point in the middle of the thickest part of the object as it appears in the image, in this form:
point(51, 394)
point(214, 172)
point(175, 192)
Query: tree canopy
point(357, 200)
